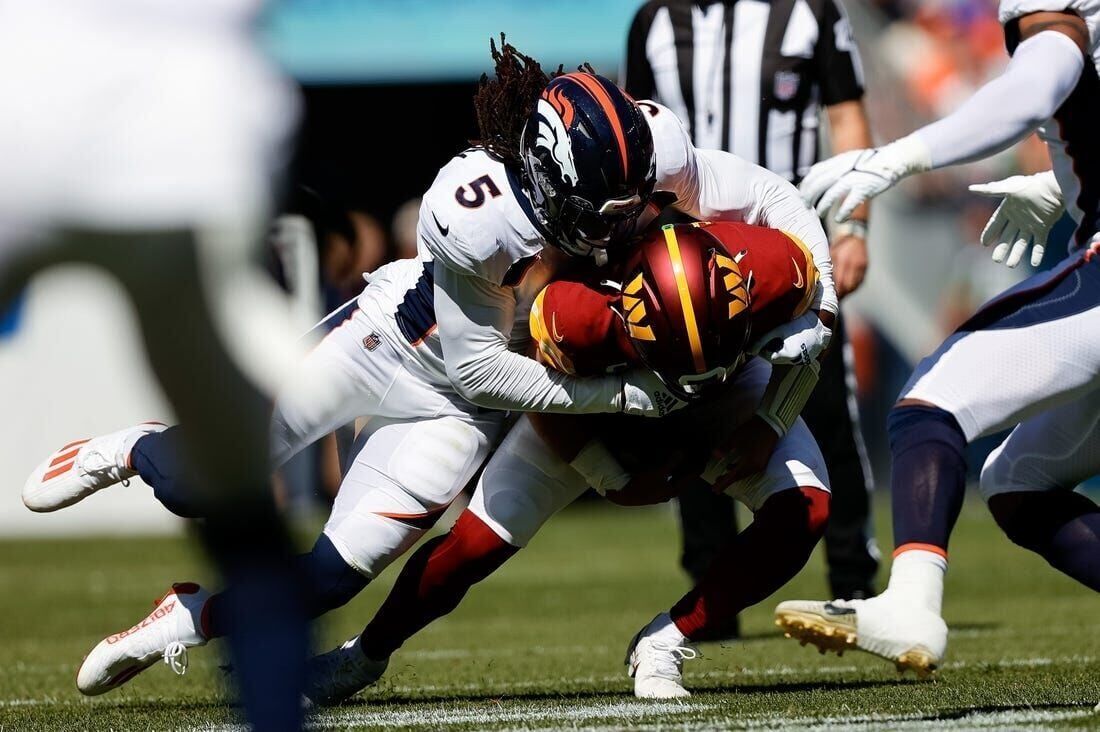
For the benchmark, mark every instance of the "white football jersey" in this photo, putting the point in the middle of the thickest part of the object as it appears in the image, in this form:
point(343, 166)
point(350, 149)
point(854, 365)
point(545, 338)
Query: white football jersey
point(1071, 134)
point(476, 219)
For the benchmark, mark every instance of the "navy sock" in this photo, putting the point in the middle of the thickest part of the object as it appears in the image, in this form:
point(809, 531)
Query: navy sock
point(929, 474)
point(1061, 526)
point(327, 582)
point(158, 459)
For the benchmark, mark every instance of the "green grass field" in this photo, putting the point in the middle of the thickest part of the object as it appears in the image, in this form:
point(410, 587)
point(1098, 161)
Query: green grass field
point(540, 645)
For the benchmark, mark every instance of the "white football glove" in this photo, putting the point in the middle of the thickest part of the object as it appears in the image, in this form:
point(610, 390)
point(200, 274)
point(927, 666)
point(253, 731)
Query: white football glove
point(644, 394)
point(800, 341)
point(1030, 206)
point(856, 176)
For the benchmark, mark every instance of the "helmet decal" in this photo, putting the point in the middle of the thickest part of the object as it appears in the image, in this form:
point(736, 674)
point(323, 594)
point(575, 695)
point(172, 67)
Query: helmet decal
point(733, 282)
point(685, 297)
point(553, 136)
point(596, 90)
point(634, 310)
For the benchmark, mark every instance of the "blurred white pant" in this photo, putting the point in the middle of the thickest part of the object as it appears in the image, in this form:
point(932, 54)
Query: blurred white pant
point(122, 114)
point(525, 482)
point(421, 446)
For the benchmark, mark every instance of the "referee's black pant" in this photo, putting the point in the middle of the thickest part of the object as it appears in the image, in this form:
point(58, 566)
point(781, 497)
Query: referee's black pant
point(708, 520)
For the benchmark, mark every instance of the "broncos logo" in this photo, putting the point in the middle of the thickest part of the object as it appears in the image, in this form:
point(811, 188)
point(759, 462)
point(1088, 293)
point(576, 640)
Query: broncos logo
point(553, 134)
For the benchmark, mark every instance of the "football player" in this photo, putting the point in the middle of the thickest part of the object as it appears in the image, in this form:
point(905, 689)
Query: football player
point(428, 350)
point(1029, 358)
point(690, 299)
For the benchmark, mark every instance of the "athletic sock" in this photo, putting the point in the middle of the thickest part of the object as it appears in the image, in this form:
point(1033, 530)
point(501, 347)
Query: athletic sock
point(159, 460)
point(755, 563)
point(433, 582)
point(916, 578)
point(929, 476)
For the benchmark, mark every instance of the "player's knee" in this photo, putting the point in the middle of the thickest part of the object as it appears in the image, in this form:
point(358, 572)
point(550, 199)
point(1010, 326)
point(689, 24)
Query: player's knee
point(479, 546)
point(818, 504)
point(799, 514)
point(909, 425)
point(330, 582)
point(1031, 518)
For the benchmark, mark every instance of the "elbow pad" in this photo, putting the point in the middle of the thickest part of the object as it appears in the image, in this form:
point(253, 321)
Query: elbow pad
point(787, 395)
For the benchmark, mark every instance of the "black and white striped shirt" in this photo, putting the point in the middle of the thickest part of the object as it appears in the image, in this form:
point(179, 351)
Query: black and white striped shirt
point(747, 76)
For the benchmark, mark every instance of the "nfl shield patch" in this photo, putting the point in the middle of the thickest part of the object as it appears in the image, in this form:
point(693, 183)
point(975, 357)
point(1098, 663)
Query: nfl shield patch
point(372, 342)
point(786, 85)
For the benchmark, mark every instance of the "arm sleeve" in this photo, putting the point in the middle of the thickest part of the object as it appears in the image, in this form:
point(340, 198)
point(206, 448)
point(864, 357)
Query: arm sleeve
point(637, 74)
point(475, 318)
point(836, 59)
point(722, 186)
point(1040, 76)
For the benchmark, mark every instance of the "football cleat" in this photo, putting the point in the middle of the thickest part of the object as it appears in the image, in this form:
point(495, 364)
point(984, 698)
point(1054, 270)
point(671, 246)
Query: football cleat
point(656, 664)
point(81, 468)
point(912, 638)
point(174, 626)
point(341, 673)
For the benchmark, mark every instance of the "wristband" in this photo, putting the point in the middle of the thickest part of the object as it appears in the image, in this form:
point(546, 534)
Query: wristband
point(785, 397)
point(851, 227)
point(599, 468)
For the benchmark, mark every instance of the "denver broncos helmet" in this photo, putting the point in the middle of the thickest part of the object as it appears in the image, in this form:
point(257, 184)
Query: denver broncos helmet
point(686, 308)
point(589, 163)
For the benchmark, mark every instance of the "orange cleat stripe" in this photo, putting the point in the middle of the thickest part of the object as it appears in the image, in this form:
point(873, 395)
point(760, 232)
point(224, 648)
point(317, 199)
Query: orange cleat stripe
point(58, 471)
point(63, 457)
point(74, 444)
point(911, 546)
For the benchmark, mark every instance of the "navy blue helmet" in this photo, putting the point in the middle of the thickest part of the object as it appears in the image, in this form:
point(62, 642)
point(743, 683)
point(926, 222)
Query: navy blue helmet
point(588, 157)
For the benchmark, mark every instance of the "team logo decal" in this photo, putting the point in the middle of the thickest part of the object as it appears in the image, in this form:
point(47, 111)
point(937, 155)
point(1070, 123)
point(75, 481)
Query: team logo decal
point(555, 116)
point(733, 282)
point(634, 310)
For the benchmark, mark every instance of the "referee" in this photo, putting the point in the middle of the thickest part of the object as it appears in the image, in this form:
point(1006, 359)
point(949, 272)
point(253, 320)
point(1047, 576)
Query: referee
point(750, 77)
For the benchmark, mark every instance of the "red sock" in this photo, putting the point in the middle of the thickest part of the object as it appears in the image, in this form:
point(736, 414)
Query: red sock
point(434, 581)
point(755, 563)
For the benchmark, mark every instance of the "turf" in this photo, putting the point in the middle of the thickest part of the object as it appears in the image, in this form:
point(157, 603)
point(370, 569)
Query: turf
point(540, 645)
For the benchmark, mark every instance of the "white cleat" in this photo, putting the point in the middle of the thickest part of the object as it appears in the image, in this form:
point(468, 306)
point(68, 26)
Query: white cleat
point(341, 673)
point(81, 468)
point(166, 634)
point(911, 637)
point(655, 660)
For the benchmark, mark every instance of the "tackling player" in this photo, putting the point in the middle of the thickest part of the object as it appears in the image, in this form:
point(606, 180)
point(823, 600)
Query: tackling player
point(429, 351)
point(1030, 357)
point(691, 297)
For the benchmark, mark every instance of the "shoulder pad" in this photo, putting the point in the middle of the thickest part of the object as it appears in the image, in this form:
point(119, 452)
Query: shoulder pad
point(473, 220)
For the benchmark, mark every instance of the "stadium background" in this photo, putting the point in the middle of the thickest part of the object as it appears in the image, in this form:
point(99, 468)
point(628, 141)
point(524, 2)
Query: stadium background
point(387, 88)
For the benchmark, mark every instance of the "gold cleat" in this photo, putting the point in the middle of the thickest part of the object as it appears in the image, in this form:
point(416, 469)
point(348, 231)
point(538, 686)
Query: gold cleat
point(832, 627)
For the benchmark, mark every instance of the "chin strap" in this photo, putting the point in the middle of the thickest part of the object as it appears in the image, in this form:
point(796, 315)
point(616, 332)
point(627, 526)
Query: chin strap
point(787, 392)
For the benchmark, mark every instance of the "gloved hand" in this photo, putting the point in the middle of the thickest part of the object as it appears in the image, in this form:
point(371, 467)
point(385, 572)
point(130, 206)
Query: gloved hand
point(799, 341)
point(643, 393)
point(856, 176)
point(1030, 206)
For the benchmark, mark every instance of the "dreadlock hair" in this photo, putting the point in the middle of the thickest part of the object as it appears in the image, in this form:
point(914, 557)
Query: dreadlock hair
point(502, 104)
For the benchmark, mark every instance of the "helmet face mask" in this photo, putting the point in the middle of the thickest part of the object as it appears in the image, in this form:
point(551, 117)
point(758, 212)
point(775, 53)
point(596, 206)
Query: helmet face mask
point(589, 164)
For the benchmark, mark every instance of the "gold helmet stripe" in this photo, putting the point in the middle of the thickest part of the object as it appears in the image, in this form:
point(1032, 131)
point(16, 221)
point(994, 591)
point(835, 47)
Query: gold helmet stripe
point(694, 340)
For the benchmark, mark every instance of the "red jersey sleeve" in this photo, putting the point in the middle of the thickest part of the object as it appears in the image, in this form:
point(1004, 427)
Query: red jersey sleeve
point(778, 269)
point(577, 329)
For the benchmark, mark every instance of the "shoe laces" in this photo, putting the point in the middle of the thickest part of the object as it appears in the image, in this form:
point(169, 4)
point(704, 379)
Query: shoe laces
point(668, 658)
point(94, 460)
point(175, 656)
